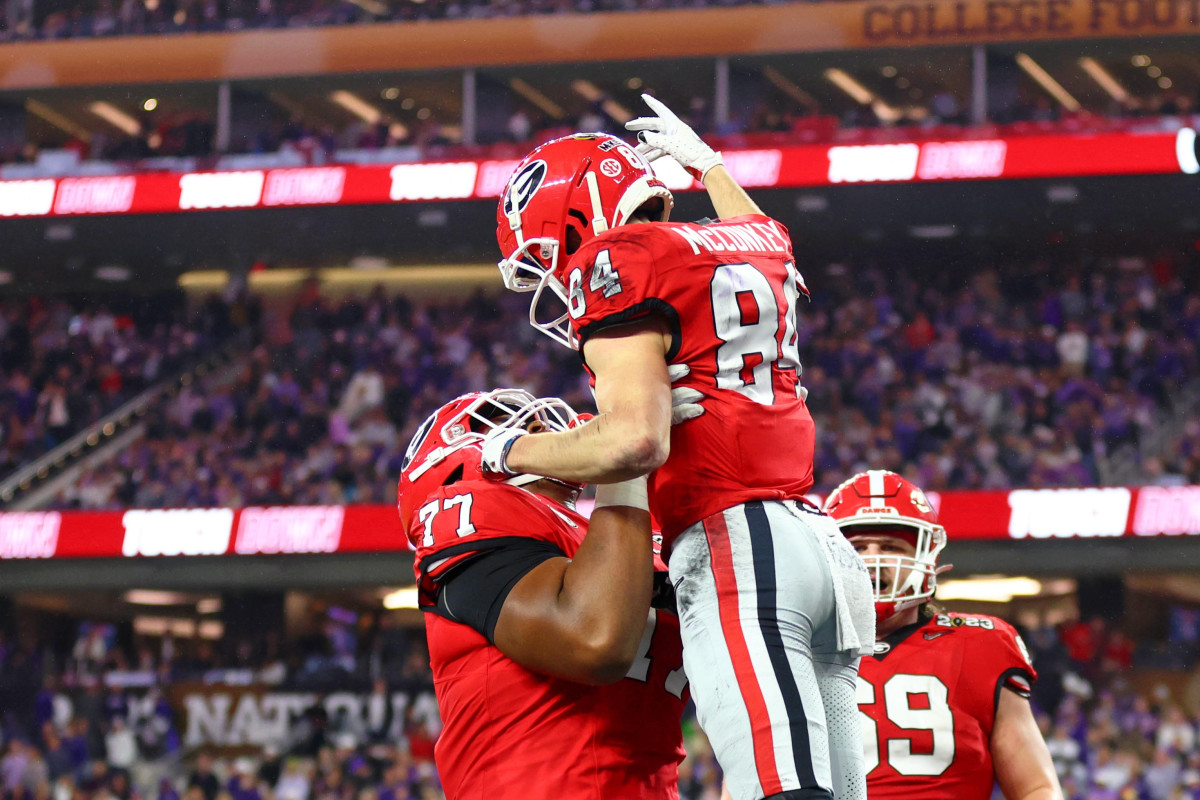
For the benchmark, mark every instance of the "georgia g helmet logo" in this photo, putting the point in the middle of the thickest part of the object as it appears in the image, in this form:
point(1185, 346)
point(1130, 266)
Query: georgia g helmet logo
point(418, 440)
point(524, 186)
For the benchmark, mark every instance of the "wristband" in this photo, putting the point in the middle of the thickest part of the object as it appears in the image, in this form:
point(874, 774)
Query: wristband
point(494, 459)
point(631, 494)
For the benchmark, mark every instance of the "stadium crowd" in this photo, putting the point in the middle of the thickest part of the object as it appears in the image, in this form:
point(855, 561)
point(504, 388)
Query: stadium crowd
point(64, 365)
point(92, 721)
point(1020, 375)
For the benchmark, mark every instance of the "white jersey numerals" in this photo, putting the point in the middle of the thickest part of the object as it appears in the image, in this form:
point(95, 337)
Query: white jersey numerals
point(639, 670)
point(930, 712)
point(746, 318)
point(605, 280)
point(427, 512)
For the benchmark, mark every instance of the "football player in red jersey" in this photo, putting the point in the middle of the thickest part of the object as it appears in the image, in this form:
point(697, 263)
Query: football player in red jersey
point(555, 675)
point(945, 697)
point(774, 606)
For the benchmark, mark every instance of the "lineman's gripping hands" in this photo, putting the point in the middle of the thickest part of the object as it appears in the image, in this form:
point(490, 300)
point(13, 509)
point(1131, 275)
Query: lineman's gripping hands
point(667, 134)
point(685, 400)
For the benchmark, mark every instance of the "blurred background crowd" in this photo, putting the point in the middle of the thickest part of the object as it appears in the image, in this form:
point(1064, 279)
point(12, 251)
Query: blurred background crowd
point(969, 334)
point(1023, 376)
point(91, 720)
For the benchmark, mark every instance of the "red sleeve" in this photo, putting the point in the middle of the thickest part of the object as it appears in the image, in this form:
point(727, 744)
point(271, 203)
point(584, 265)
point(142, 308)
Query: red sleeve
point(616, 278)
point(1017, 672)
point(995, 659)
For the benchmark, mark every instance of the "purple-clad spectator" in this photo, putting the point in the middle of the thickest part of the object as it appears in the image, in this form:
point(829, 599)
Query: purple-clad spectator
point(244, 783)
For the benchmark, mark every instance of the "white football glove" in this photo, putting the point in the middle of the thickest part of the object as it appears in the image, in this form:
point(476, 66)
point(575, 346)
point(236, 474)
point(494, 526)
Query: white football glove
point(685, 401)
point(495, 450)
point(667, 134)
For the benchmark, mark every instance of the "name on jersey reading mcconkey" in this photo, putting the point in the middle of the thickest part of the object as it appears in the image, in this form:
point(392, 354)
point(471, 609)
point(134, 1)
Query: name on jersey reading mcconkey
point(761, 237)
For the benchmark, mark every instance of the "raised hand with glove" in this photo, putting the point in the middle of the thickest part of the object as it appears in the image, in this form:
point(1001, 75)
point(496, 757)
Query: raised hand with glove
point(667, 134)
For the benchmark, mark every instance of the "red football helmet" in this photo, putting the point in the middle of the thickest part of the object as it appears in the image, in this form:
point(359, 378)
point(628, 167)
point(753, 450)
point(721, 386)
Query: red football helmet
point(560, 196)
point(448, 446)
point(878, 499)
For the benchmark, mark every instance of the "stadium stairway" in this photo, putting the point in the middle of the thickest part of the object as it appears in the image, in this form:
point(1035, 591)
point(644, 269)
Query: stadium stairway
point(36, 483)
point(1123, 466)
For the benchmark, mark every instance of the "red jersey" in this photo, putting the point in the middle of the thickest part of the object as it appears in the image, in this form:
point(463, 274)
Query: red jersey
point(928, 701)
point(512, 733)
point(729, 292)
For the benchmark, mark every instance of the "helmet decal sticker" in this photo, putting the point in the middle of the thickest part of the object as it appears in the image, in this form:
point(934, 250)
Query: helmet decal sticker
point(418, 439)
point(524, 186)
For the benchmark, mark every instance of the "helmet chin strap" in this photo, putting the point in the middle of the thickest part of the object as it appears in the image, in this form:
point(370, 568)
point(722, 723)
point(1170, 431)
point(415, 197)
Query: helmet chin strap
point(599, 223)
point(526, 480)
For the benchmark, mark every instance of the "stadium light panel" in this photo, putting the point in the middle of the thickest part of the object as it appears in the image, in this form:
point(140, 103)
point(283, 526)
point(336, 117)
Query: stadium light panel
point(861, 94)
point(789, 87)
point(590, 92)
point(153, 597)
point(209, 605)
point(116, 117)
point(356, 106)
point(537, 98)
point(40, 109)
point(1105, 78)
point(989, 589)
point(401, 598)
point(1047, 82)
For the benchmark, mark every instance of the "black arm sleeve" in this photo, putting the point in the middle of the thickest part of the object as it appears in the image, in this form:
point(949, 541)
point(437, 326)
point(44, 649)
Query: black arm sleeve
point(475, 592)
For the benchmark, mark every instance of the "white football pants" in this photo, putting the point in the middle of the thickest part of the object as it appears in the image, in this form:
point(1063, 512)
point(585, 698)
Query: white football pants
point(758, 617)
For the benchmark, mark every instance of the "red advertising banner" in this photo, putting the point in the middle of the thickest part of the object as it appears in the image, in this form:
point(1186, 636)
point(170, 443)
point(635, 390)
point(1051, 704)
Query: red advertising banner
point(275, 530)
point(1033, 156)
point(1020, 514)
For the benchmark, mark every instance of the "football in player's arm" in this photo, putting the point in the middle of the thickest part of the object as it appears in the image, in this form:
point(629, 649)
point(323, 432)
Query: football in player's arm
point(554, 674)
point(945, 698)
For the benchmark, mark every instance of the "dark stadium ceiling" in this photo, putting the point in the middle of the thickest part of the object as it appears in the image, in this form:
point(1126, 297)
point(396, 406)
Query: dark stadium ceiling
point(1097, 74)
point(854, 224)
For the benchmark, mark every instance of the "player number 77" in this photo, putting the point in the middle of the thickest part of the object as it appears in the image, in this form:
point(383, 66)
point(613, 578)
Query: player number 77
point(426, 514)
point(639, 670)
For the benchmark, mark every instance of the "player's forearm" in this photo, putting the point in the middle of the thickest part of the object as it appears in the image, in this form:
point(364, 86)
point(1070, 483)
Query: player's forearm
point(606, 590)
point(613, 447)
point(1020, 758)
point(728, 198)
point(582, 618)
point(1043, 792)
